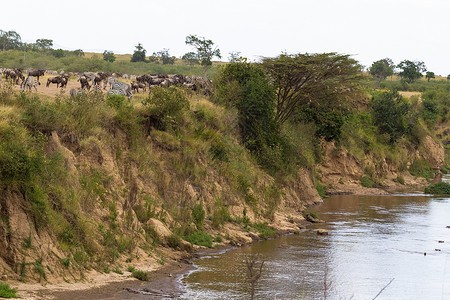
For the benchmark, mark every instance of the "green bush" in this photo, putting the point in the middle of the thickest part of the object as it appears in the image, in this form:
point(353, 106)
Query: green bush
point(174, 241)
point(140, 274)
point(421, 168)
point(367, 182)
point(311, 213)
point(264, 230)
point(199, 238)
point(198, 215)
point(7, 292)
point(165, 107)
point(438, 188)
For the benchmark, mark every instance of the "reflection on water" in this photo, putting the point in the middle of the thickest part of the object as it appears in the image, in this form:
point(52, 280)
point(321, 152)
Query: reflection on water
point(373, 239)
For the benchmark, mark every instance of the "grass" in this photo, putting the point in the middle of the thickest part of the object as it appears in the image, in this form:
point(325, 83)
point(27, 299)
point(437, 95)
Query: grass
point(199, 238)
point(7, 292)
point(264, 230)
point(438, 188)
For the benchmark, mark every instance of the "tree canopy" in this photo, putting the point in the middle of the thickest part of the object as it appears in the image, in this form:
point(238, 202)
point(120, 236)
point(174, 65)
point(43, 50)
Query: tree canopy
point(139, 54)
point(381, 69)
point(411, 70)
point(206, 50)
point(109, 56)
point(10, 40)
point(430, 75)
point(302, 79)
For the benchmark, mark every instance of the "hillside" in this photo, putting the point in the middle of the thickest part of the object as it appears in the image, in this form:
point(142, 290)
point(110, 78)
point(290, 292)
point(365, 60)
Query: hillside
point(92, 185)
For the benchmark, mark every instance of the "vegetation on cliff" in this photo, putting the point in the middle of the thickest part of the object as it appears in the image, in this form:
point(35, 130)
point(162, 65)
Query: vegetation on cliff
point(101, 182)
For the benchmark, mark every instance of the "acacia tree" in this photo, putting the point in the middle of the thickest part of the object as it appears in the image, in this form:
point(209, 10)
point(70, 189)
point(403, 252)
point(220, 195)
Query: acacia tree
point(165, 57)
point(205, 50)
point(109, 56)
point(139, 54)
point(381, 69)
point(411, 70)
point(190, 58)
point(304, 79)
point(430, 75)
point(10, 40)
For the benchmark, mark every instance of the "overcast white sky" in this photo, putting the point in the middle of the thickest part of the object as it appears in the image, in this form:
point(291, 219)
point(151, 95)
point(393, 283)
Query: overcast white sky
point(367, 29)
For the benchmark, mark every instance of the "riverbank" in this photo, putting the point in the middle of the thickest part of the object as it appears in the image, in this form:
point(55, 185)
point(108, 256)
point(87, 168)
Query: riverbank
point(164, 279)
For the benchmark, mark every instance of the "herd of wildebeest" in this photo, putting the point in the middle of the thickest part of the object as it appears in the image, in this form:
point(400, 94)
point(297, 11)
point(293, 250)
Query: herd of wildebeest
point(99, 81)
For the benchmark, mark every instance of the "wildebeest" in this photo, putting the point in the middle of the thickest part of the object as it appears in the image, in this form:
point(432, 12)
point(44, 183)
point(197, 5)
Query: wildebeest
point(28, 83)
point(35, 73)
point(84, 82)
point(14, 75)
point(56, 80)
point(135, 86)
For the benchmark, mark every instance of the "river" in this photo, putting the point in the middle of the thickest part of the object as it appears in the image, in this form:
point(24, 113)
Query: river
point(395, 246)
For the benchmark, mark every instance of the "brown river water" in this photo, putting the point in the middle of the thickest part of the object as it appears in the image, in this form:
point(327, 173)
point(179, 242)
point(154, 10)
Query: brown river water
point(383, 247)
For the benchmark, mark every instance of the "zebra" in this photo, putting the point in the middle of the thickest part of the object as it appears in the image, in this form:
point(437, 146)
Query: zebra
point(125, 87)
point(76, 92)
point(28, 83)
point(116, 92)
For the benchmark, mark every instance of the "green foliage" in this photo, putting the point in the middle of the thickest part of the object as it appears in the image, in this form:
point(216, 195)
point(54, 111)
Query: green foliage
point(199, 238)
point(411, 70)
point(438, 188)
point(109, 56)
point(244, 86)
point(264, 230)
point(140, 274)
point(146, 211)
point(220, 214)
point(165, 57)
point(367, 182)
point(174, 241)
point(391, 114)
point(421, 168)
point(311, 213)
point(204, 48)
point(7, 292)
point(139, 54)
point(322, 190)
point(381, 69)
point(324, 80)
point(198, 215)
point(165, 107)
point(218, 150)
point(430, 75)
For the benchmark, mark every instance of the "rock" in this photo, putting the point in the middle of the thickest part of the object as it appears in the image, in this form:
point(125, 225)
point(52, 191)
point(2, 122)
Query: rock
point(321, 231)
point(4, 277)
point(161, 230)
point(311, 219)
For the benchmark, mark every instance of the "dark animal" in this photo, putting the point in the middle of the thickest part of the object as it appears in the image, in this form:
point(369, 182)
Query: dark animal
point(36, 73)
point(56, 80)
point(84, 82)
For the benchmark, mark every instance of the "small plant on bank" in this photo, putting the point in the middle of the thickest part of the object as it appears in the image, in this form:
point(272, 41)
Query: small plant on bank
point(7, 292)
point(367, 182)
point(312, 214)
point(438, 188)
point(140, 274)
point(174, 241)
point(264, 230)
point(199, 238)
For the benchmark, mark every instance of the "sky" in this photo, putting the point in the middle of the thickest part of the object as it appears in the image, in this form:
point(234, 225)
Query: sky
point(368, 30)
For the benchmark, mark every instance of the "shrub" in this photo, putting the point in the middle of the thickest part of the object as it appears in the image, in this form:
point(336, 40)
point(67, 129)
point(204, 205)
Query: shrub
point(438, 188)
point(311, 213)
point(366, 181)
point(165, 107)
point(140, 274)
point(264, 230)
point(421, 168)
point(7, 292)
point(198, 215)
point(199, 238)
point(174, 241)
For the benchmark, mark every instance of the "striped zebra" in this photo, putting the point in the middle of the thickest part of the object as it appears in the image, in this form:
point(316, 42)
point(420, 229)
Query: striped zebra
point(76, 92)
point(28, 84)
point(125, 87)
point(116, 92)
